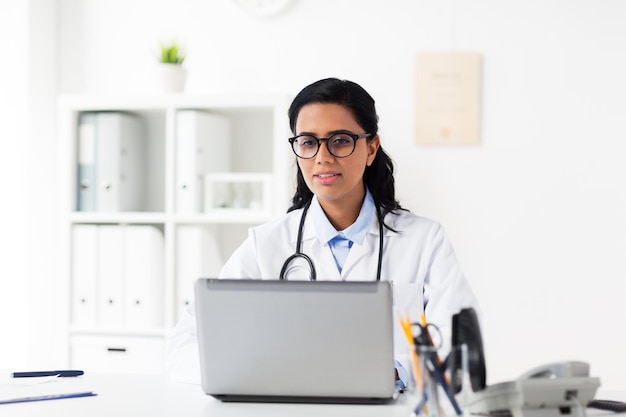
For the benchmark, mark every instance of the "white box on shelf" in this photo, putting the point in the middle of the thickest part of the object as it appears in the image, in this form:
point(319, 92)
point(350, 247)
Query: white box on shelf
point(238, 191)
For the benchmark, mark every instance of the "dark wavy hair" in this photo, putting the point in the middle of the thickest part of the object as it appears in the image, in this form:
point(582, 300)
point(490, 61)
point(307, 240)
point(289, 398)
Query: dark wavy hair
point(378, 177)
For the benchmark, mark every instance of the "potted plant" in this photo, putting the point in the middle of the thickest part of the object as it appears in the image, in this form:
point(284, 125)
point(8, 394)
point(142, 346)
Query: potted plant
point(172, 75)
point(171, 53)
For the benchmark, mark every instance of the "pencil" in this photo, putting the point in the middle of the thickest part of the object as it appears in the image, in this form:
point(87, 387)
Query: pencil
point(405, 323)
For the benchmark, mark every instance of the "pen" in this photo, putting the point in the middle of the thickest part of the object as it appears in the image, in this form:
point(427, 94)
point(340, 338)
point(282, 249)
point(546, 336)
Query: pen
point(65, 373)
point(437, 371)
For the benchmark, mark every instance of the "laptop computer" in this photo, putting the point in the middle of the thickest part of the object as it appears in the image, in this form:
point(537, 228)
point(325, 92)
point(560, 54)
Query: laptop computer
point(296, 341)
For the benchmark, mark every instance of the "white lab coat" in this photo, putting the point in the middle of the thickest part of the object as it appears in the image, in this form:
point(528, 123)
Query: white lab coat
point(419, 260)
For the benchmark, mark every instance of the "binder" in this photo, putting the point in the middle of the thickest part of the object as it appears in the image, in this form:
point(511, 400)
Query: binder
point(117, 276)
point(197, 255)
point(119, 162)
point(110, 279)
point(202, 145)
point(143, 276)
point(86, 175)
point(84, 274)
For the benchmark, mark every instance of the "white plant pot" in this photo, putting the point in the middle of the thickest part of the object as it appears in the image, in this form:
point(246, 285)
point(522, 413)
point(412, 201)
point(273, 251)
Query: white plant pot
point(171, 78)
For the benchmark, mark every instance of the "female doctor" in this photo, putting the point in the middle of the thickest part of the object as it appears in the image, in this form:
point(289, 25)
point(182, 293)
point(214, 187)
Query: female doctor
point(344, 224)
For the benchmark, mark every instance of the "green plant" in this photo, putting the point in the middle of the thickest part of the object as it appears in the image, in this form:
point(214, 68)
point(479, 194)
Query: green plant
point(171, 53)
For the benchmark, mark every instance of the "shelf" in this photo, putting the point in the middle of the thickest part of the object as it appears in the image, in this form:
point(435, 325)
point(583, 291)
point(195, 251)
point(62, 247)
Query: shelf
point(159, 102)
point(231, 216)
point(79, 217)
point(203, 170)
point(226, 215)
point(157, 332)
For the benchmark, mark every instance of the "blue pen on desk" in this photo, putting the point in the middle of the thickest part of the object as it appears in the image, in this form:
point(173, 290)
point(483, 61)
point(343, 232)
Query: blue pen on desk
point(63, 373)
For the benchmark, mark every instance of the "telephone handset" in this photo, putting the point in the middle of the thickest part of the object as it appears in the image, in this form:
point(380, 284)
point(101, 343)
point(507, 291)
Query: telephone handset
point(573, 369)
point(558, 370)
point(551, 390)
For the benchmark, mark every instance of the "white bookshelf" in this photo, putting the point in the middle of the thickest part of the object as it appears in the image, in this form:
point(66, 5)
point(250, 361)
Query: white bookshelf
point(259, 164)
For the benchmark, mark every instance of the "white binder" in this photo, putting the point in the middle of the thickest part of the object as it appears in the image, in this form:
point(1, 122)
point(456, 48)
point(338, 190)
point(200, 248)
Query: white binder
point(119, 162)
point(84, 274)
point(197, 256)
point(202, 145)
point(110, 284)
point(86, 167)
point(143, 276)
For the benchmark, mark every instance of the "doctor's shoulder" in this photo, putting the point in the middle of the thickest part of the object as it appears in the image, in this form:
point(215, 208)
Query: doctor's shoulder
point(423, 237)
point(410, 225)
point(280, 229)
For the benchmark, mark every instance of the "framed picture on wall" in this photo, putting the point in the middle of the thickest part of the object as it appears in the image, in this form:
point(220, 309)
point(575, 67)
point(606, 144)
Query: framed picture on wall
point(448, 98)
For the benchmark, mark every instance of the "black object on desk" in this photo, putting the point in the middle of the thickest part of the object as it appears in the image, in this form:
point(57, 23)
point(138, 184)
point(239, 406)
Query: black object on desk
point(63, 373)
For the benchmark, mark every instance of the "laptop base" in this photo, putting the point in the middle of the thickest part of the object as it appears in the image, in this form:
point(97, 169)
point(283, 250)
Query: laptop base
point(302, 399)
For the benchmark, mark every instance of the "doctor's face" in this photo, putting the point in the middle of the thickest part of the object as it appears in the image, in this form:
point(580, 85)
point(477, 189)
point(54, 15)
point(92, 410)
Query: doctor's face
point(331, 179)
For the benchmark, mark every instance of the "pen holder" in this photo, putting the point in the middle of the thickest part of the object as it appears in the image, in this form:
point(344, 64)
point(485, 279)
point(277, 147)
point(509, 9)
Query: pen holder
point(434, 383)
point(424, 360)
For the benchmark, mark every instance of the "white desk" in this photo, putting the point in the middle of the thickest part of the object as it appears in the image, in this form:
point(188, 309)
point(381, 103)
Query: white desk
point(148, 395)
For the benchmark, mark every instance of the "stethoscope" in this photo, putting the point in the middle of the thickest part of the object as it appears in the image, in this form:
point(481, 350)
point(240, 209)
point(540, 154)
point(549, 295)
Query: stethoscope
point(300, 254)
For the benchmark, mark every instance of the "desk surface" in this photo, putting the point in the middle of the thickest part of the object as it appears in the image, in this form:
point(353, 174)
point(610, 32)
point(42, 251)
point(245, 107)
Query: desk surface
point(149, 395)
point(154, 395)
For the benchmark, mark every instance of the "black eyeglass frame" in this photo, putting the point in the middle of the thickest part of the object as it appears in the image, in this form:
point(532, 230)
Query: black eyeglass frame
point(354, 137)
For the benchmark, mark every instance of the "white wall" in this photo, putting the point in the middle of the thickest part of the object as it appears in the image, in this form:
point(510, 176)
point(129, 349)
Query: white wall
point(28, 182)
point(536, 212)
point(44, 289)
point(13, 220)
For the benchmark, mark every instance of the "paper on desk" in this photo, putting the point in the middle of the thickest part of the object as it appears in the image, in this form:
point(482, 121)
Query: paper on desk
point(13, 390)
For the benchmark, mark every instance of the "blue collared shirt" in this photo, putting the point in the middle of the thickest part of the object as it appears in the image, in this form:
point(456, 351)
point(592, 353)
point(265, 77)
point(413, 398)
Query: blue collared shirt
point(355, 233)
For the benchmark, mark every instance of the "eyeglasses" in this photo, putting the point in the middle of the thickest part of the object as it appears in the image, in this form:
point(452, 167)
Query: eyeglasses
point(340, 145)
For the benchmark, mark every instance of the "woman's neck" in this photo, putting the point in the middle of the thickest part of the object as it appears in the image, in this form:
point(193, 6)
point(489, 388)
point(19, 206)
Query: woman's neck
point(342, 214)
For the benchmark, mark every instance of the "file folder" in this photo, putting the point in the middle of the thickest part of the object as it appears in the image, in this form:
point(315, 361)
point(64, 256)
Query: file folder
point(86, 175)
point(202, 145)
point(110, 284)
point(84, 274)
point(117, 276)
point(143, 276)
point(119, 162)
point(197, 255)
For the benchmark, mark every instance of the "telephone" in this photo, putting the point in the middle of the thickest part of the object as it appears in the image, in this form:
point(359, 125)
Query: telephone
point(551, 390)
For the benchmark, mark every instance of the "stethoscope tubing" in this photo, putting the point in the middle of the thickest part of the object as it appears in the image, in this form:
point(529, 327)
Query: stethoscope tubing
point(309, 261)
point(299, 254)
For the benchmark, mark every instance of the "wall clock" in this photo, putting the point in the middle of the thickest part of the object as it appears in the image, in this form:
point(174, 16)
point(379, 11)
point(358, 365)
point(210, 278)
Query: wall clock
point(262, 7)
